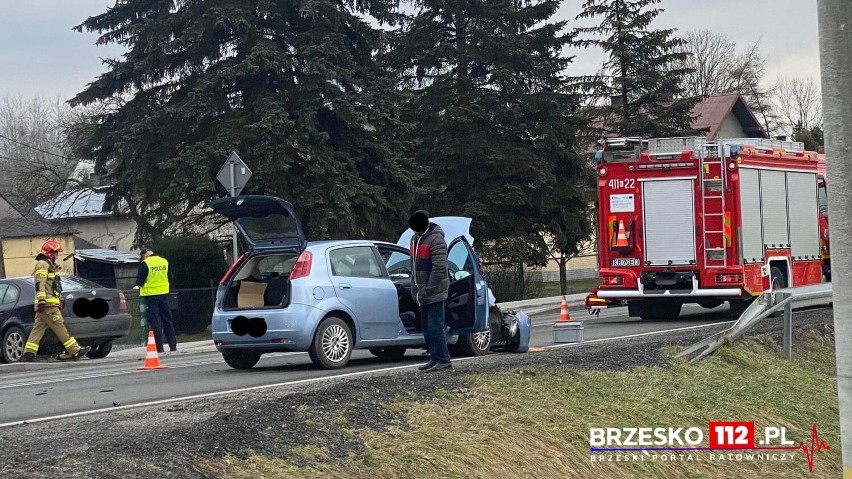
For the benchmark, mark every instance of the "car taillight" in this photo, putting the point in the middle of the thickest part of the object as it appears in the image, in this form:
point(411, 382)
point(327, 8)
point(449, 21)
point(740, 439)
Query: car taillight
point(122, 302)
point(231, 270)
point(302, 267)
point(612, 280)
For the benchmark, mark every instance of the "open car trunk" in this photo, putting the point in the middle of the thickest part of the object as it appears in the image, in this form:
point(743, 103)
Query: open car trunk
point(262, 281)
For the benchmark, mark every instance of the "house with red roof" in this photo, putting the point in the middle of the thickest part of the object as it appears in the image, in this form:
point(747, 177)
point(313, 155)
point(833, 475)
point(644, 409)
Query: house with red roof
point(726, 116)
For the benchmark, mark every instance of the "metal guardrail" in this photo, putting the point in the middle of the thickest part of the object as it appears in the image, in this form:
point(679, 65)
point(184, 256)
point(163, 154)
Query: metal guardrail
point(765, 305)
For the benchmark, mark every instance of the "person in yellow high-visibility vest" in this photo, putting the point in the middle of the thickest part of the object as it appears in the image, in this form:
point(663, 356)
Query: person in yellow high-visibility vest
point(153, 282)
point(48, 307)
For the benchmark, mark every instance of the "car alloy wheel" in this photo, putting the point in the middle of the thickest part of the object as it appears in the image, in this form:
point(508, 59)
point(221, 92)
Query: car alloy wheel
point(482, 340)
point(13, 344)
point(471, 344)
point(332, 344)
point(335, 343)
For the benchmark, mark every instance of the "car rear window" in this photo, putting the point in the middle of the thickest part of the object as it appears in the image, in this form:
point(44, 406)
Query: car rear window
point(73, 282)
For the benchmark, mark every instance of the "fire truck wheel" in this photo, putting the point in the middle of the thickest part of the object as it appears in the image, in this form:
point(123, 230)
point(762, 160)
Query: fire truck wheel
point(777, 278)
point(738, 306)
point(777, 283)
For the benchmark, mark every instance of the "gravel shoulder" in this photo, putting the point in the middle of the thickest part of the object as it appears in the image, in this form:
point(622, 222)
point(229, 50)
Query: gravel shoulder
point(166, 441)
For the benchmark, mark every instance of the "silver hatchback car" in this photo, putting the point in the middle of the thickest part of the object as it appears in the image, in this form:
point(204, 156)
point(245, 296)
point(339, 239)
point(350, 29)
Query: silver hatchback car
point(331, 297)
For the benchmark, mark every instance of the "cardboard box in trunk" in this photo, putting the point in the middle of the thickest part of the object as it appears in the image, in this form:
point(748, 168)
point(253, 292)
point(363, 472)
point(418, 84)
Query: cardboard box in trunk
point(251, 295)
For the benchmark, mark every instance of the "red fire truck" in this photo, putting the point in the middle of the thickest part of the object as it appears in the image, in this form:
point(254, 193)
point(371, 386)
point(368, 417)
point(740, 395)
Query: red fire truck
point(687, 220)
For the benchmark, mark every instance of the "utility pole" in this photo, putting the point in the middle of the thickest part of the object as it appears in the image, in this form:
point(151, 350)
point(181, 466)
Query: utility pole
point(835, 43)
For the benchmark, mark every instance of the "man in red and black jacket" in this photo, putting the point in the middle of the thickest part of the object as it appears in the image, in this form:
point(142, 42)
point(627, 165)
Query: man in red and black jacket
point(430, 285)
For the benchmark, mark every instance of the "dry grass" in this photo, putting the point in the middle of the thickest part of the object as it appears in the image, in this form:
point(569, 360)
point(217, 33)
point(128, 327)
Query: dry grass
point(535, 423)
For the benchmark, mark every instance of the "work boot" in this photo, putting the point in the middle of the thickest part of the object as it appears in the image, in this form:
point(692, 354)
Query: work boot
point(427, 365)
point(28, 358)
point(440, 366)
point(66, 356)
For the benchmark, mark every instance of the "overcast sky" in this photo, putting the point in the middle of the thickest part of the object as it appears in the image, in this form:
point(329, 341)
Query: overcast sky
point(42, 56)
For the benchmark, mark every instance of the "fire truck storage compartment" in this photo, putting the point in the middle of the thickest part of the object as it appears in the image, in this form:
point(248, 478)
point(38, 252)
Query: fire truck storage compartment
point(669, 216)
point(773, 193)
point(804, 215)
point(787, 217)
point(751, 240)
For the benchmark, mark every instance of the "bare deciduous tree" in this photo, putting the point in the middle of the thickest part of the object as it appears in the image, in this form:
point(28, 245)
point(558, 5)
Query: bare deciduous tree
point(710, 61)
point(719, 66)
point(799, 104)
point(35, 150)
point(747, 76)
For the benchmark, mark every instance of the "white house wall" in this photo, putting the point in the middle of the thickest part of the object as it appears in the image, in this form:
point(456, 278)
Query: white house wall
point(731, 128)
point(106, 232)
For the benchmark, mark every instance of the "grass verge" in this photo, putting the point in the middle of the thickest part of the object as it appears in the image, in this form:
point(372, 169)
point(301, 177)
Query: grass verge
point(575, 286)
point(535, 423)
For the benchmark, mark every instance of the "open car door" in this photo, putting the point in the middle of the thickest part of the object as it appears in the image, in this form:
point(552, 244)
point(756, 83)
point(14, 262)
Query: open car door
point(467, 302)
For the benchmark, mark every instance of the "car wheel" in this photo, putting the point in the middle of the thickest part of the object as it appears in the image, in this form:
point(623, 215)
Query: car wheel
point(391, 353)
point(100, 351)
point(332, 345)
point(13, 344)
point(472, 344)
point(241, 359)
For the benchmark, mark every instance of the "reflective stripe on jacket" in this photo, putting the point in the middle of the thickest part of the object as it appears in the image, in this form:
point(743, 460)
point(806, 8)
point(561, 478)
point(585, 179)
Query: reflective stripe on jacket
point(47, 284)
point(157, 281)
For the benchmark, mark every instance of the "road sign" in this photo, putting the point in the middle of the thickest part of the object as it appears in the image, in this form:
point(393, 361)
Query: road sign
point(234, 174)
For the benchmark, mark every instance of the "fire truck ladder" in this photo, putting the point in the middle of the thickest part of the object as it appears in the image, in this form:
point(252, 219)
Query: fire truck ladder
point(712, 157)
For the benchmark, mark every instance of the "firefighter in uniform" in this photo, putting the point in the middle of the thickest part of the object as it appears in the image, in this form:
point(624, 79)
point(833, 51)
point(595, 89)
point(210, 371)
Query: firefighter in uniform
point(153, 282)
point(48, 305)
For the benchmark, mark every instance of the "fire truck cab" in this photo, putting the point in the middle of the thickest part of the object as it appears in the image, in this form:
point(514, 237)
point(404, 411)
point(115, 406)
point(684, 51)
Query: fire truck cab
point(687, 220)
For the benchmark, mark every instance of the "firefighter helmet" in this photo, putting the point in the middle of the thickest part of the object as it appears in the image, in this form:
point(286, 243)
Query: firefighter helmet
point(50, 248)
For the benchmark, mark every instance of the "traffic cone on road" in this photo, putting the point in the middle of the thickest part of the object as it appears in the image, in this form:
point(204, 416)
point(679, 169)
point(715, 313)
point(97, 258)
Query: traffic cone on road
point(152, 360)
point(564, 316)
point(565, 330)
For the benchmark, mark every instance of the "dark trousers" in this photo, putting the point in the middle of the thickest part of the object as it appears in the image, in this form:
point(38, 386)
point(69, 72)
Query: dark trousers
point(433, 333)
point(159, 317)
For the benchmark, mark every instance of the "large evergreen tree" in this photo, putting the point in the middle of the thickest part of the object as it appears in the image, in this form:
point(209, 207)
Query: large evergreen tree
point(291, 85)
point(496, 124)
point(642, 78)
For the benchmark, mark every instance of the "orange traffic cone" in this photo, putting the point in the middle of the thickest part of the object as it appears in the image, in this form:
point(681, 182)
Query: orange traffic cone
point(564, 317)
point(621, 239)
point(152, 360)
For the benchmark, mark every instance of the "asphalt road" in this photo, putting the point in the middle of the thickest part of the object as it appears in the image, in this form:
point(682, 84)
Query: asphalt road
point(68, 389)
point(614, 322)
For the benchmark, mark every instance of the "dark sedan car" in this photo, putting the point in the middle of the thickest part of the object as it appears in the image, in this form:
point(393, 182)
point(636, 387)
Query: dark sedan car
point(94, 315)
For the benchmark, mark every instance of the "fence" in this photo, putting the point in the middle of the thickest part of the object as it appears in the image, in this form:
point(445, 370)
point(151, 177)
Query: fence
point(192, 308)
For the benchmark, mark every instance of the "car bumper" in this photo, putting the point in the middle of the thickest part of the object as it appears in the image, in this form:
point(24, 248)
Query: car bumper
point(641, 293)
point(288, 329)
